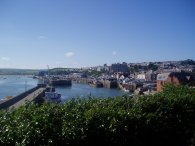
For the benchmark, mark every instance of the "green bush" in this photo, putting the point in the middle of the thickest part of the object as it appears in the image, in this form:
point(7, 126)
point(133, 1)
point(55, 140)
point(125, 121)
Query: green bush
point(163, 119)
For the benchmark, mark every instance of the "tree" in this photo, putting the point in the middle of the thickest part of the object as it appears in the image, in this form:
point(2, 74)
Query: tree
point(152, 66)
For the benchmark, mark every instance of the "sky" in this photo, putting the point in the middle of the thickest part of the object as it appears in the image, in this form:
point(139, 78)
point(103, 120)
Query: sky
point(83, 33)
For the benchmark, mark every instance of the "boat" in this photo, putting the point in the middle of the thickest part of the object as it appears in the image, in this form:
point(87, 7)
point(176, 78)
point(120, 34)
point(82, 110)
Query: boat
point(96, 84)
point(61, 82)
point(126, 90)
point(52, 97)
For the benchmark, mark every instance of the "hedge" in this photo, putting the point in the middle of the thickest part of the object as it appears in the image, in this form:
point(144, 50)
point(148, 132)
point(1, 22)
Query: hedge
point(163, 119)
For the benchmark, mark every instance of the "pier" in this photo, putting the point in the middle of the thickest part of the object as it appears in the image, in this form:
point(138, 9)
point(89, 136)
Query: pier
point(28, 96)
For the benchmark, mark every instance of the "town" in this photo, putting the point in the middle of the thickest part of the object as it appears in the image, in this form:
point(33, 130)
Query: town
point(137, 78)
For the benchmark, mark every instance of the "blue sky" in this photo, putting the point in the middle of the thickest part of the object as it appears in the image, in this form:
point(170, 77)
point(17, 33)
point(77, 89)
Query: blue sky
point(79, 33)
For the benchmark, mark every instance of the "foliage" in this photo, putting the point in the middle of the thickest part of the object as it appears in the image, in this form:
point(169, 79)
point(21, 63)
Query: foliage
point(94, 73)
point(60, 71)
point(152, 66)
point(18, 72)
point(166, 118)
point(188, 62)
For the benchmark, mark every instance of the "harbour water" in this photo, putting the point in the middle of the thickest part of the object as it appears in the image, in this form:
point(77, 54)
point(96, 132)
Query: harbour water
point(14, 85)
point(84, 90)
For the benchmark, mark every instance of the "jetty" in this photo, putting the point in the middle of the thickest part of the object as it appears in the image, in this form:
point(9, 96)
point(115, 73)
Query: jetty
point(27, 96)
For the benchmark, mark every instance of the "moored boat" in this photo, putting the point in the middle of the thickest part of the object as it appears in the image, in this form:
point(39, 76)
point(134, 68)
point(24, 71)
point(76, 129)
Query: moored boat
point(52, 97)
point(61, 82)
point(96, 84)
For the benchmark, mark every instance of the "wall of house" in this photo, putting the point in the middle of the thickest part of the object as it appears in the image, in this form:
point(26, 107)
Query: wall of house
point(170, 80)
point(159, 85)
point(141, 76)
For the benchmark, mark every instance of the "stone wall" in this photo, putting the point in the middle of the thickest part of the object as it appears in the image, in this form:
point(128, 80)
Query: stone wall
point(8, 103)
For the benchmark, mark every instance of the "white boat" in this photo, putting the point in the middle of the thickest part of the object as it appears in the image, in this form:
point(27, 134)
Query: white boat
point(126, 90)
point(52, 97)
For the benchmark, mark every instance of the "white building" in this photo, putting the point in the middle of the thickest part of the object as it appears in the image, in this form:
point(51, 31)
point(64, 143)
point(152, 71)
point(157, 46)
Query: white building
point(141, 76)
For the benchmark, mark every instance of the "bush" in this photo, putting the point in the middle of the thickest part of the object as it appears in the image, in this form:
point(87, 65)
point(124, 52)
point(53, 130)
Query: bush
point(163, 119)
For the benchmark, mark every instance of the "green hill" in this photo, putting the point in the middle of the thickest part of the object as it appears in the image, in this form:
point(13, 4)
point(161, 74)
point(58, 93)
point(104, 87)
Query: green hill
point(18, 71)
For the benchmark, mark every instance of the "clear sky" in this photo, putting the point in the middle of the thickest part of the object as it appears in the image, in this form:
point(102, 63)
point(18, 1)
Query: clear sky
point(79, 33)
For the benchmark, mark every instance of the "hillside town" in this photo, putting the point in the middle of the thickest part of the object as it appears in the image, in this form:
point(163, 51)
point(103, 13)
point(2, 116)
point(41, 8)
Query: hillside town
point(137, 78)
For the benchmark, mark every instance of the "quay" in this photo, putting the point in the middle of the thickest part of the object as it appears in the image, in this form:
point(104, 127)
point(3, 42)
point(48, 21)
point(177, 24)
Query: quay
point(105, 83)
point(28, 96)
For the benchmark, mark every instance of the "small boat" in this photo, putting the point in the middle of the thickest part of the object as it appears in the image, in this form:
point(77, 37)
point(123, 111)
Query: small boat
point(126, 90)
point(52, 97)
point(96, 84)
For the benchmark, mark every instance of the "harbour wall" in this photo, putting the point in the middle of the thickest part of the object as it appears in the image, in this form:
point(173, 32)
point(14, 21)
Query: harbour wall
point(6, 104)
point(106, 83)
point(82, 80)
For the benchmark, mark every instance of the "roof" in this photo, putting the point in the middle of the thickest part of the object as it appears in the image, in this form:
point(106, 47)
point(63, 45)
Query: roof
point(163, 76)
point(183, 77)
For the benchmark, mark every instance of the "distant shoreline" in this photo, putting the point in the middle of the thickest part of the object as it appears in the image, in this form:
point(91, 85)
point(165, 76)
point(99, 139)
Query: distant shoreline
point(18, 71)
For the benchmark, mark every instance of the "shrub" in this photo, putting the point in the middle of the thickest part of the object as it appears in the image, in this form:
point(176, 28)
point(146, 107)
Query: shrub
point(166, 118)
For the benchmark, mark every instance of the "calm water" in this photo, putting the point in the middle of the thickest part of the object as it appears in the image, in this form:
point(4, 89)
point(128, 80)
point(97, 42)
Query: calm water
point(14, 85)
point(83, 90)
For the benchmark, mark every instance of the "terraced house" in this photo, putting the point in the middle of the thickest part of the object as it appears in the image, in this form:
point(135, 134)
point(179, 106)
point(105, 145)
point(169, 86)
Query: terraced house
point(177, 78)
